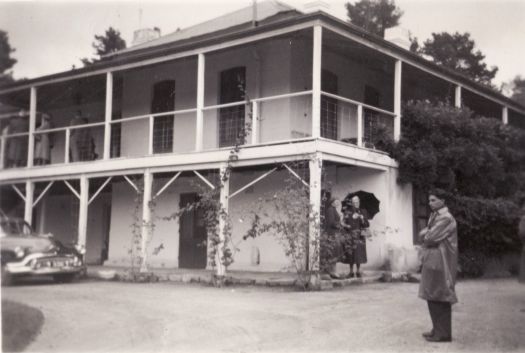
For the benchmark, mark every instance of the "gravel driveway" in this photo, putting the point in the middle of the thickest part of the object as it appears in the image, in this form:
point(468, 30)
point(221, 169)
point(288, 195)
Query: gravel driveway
point(167, 317)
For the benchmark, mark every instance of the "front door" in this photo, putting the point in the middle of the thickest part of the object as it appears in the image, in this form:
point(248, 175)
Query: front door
point(192, 244)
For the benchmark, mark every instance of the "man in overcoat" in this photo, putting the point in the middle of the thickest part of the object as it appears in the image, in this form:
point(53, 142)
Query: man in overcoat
point(439, 257)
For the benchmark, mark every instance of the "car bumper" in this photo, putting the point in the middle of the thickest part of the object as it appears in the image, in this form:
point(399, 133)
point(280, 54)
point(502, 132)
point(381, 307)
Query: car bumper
point(39, 264)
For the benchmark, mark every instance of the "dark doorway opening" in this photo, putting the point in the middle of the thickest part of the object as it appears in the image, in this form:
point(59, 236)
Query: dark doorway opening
point(192, 243)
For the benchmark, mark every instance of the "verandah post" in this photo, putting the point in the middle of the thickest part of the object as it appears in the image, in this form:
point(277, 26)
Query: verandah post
point(146, 218)
point(315, 166)
point(83, 211)
point(28, 209)
point(32, 122)
point(223, 199)
point(316, 81)
point(107, 117)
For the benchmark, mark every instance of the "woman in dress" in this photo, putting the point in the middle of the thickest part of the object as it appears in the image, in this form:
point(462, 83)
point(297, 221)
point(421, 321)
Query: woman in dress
point(355, 220)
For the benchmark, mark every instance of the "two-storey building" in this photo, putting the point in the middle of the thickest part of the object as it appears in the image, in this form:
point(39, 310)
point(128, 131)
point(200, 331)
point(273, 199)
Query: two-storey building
point(163, 116)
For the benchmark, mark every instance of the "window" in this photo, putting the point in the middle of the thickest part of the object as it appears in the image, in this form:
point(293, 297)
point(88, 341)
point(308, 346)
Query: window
point(329, 107)
point(163, 101)
point(231, 119)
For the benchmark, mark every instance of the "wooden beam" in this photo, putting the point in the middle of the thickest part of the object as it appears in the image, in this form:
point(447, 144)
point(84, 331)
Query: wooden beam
point(99, 190)
point(199, 127)
point(17, 190)
point(252, 182)
point(295, 174)
point(75, 192)
point(107, 115)
point(146, 219)
point(255, 122)
point(315, 166)
point(43, 193)
point(67, 145)
point(316, 81)
point(83, 211)
point(204, 179)
point(131, 183)
point(223, 197)
point(32, 122)
point(360, 129)
point(505, 115)
point(28, 210)
point(397, 100)
point(457, 97)
point(166, 185)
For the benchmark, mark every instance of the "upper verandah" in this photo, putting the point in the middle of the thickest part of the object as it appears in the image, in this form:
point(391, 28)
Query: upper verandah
point(271, 16)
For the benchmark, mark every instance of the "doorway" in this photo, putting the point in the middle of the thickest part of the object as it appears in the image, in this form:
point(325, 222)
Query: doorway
point(192, 239)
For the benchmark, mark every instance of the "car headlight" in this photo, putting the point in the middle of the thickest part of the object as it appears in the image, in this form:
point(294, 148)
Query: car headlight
point(20, 252)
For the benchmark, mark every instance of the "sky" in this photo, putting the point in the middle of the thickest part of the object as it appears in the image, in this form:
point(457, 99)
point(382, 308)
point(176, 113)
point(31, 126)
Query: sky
point(52, 36)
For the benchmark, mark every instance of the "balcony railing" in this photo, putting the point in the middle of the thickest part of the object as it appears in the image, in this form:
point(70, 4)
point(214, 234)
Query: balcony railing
point(263, 120)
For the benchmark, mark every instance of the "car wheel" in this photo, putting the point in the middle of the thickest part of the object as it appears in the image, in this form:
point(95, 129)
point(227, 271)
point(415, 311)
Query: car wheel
point(7, 280)
point(64, 278)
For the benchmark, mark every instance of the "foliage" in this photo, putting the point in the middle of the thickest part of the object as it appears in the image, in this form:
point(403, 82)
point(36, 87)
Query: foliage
point(518, 89)
point(457, 52)
point(478, 160)
point(107, 43)
point(374, 16)
point(471, 263)
point(6, 61)
point(288, 215)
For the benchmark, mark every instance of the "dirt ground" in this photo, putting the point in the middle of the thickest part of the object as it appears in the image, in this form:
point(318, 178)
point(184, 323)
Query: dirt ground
point(168, 317)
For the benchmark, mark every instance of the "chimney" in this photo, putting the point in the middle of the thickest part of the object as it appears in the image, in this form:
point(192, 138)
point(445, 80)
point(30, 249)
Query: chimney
point(317, 5)
point(145, 35)
point(399, 36)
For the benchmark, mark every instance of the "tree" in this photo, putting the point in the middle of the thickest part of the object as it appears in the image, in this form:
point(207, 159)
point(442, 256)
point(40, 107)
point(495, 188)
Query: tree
point(374, 16)
point(105, 44)
point(6, 61)
point(479, 161)
point(456, 51)
point(518, 89)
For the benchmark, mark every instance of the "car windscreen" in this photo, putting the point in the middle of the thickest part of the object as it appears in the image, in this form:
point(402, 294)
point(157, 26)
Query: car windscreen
point(14, 228)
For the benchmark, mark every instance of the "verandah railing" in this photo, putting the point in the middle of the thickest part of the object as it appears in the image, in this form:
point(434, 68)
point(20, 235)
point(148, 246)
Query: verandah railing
point(272, 119)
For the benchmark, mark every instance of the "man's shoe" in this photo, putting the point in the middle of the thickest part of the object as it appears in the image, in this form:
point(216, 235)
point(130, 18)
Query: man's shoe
point(350, 275)
point(358, 274)
point(428, 334)
point(438, 339)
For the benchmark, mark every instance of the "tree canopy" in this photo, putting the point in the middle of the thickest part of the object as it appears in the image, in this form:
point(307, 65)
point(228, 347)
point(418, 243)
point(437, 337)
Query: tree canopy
point(518, 89)
point(374, 16)
point(479, 161)
point(457, 51)
point(6, 61)
point(105, 44)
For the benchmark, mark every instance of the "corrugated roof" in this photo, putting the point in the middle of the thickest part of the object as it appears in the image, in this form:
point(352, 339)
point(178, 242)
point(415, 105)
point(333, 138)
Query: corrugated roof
point(264, 10)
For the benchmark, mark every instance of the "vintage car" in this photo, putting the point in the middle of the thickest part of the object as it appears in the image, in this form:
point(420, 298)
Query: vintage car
point(25, 253)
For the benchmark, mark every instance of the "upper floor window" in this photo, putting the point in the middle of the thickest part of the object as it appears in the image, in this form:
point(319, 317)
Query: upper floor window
point(231, 119)
point(163, 100)
point(329, 107)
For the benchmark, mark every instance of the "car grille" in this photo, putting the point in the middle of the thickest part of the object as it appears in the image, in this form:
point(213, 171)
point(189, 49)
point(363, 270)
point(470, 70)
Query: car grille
point(54, 262)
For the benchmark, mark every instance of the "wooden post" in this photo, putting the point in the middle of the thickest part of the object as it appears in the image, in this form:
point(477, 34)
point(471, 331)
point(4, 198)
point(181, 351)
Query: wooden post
point(32, 122)
point(146, 218)
point(28, 210)
point(199, 127)
point(83, 211)
point(223, 197)
point(255, 123)
point(107, 117)
point(457, 97)
point(360, 125)
point(67, 145)
point(397, 100)
point(505, 115)
point(315, 166)
point(316, 81)
point(150, 134)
